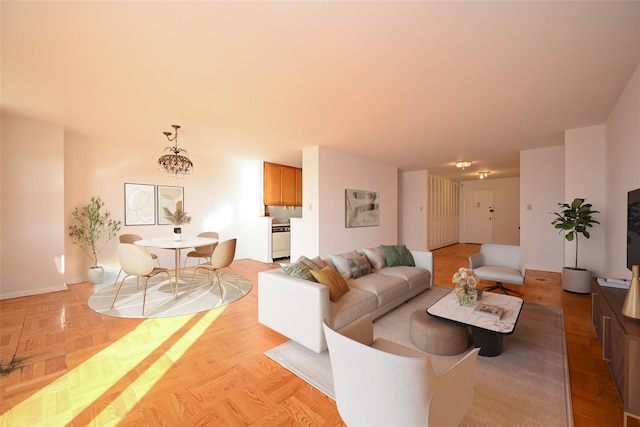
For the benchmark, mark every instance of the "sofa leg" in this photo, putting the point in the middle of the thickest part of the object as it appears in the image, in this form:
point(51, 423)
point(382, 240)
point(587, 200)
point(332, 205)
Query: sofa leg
point(506, 291)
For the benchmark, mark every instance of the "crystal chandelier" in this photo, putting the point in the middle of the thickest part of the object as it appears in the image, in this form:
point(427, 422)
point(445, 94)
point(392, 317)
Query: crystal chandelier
point(175, 164)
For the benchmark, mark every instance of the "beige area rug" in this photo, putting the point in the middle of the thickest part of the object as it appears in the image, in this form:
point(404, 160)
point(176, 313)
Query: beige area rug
point(527, 385)
point(160, 301)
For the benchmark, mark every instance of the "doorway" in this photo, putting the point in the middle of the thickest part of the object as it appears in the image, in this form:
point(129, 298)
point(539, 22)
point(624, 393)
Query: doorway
point(478, 216)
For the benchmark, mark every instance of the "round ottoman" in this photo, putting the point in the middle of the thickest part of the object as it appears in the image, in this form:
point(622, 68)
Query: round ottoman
point(437, 336)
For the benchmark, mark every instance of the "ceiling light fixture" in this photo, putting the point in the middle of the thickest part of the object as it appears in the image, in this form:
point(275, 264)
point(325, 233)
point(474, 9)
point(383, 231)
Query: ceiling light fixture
point(484, 174)
point(175, 164)
point(462, 164)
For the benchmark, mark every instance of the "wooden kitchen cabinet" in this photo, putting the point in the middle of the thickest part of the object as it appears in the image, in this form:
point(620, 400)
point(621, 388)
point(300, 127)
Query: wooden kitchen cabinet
point(280, 185)
point(620, 340)
point(298, 187)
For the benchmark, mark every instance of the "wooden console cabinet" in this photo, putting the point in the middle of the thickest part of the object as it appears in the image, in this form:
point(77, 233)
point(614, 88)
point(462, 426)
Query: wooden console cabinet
point(620, 340)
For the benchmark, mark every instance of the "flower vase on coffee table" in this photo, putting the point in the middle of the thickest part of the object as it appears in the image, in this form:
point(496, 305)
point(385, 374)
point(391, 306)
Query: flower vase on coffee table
point(466, 281)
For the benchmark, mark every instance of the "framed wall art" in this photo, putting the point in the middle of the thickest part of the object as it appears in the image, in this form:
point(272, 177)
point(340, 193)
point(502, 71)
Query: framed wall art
point(361, 208)
point(171, 198)
point(139, 204)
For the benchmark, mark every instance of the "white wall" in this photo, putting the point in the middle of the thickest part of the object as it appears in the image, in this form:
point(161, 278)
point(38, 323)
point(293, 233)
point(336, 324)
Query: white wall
point(305, 239)
point(541, 189)
point(223, 195)
point(413, 209)
point(52, 171)
point(32, 200)
point(506, 204)
point(584, 167)
point(337, 171)
point(623, 173)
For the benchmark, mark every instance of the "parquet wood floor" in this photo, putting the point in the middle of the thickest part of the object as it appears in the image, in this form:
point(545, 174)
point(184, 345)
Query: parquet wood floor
point(75, 367)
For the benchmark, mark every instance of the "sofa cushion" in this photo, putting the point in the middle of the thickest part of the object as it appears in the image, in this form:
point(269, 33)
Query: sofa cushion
point(385, 288)
point(351, 265)
point(300, 270)
point(353, 305)
point(500, 274)
point(397, 255)
point(376, 258)
point(329, 277)
point(415, 276)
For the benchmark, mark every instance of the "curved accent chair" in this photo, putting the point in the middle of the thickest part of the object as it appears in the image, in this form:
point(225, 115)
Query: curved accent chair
point(137, 261)
point(222, 257)
point(202, 252)
point(499, 263)
point(130, 238)
point(380, 382)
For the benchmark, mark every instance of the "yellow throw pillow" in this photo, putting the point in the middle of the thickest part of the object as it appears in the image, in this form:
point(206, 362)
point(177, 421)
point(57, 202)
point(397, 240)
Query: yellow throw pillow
point(329, 277)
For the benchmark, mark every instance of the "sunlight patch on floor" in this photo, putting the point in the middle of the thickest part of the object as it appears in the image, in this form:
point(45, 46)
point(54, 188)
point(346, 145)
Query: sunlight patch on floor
point(67, 397)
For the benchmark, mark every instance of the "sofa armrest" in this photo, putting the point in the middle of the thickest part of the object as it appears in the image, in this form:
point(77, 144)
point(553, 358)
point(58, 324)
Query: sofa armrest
point(424, 259)
point(293, 307)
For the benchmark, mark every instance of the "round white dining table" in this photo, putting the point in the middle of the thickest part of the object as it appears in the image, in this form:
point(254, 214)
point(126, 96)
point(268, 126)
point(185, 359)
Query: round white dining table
point(177, 246)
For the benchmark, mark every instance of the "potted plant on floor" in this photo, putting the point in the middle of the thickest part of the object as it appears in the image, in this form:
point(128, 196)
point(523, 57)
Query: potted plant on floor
point(93, 230)
point(177, 218)
point(573, 220)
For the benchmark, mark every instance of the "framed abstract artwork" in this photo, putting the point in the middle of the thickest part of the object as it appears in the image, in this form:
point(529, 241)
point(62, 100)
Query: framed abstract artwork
point(171, 198)
point(139, 204)
point(362, 208)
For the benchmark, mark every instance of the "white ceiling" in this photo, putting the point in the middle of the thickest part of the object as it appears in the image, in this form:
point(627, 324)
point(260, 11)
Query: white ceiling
point(416, 85)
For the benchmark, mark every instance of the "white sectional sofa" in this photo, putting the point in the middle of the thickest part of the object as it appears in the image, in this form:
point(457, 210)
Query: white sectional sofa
point(296, 307)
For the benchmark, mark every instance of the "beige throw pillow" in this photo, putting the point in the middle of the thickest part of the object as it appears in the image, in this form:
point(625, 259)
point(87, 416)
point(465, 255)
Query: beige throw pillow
point(359, 266)
point(376, 258)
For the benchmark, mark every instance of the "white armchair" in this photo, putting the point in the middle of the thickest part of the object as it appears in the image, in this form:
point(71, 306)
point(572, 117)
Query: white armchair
point(499, 263)
point(382, 383)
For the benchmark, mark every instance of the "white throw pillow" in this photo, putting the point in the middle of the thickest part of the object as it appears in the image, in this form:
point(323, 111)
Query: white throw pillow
point(341, 264)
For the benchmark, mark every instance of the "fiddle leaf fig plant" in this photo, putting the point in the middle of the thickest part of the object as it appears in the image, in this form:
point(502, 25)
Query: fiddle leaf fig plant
point(94, 228)
point(574, 219)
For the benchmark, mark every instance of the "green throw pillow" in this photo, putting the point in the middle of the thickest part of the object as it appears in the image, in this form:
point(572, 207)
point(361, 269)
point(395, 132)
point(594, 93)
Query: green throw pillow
point(397, 255)
point(307, 263)
point(299, 270)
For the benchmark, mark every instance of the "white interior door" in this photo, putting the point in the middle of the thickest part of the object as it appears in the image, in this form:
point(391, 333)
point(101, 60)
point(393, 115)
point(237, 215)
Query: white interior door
point(478, 216)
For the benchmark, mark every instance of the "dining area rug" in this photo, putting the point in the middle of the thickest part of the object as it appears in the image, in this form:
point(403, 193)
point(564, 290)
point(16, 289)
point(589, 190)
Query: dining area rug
point(160, 301)
point(527, 385)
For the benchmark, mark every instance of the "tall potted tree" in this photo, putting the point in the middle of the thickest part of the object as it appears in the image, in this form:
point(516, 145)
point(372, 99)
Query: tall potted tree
point(575, 219)
point(93, 230)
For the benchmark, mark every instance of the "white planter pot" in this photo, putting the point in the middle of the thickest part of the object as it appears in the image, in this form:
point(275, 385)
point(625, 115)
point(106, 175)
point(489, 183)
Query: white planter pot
point(576, 281)
point(95, 275)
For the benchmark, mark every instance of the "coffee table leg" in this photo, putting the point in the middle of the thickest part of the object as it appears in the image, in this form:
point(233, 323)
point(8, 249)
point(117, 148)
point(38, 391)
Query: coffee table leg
point(490, 343)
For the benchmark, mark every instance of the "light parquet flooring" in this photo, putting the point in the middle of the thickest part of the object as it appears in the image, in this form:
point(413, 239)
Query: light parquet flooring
point(75, 367)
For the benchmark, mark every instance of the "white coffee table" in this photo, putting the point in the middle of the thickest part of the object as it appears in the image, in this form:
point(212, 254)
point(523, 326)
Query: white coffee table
point(488, 334)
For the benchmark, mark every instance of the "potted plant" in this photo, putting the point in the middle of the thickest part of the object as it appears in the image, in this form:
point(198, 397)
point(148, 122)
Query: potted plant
point(177, 218)
point(573, 220)
point(93, 230)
